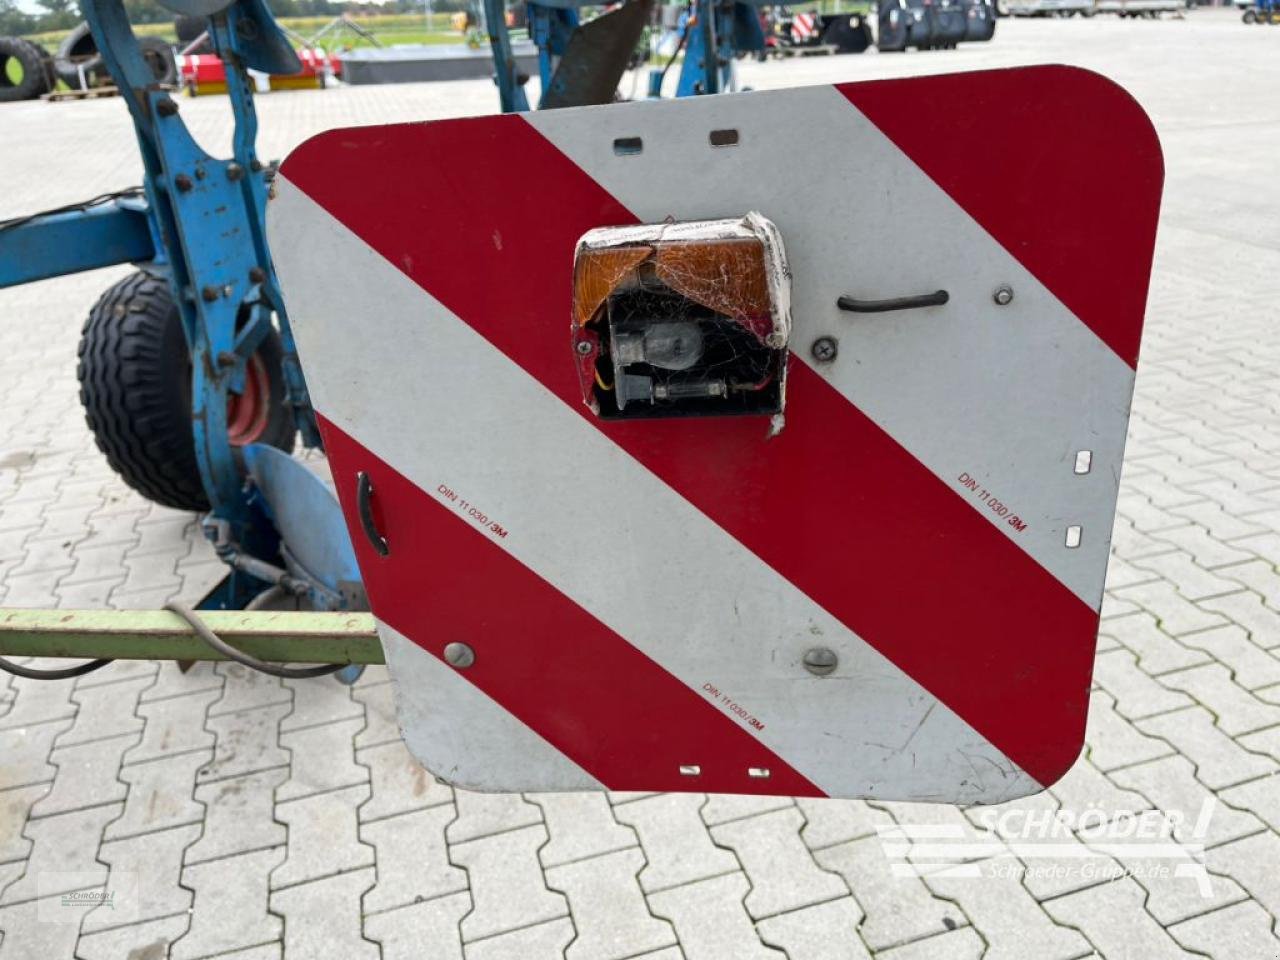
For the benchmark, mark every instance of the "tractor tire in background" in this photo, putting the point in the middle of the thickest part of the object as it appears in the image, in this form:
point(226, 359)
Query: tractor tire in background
point(33, 75)
point(78, 50)
point(189, 30)
point(159, 57)
point(135, 387)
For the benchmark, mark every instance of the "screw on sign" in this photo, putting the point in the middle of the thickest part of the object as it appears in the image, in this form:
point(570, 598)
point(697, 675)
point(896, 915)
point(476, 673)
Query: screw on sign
point(653, 546)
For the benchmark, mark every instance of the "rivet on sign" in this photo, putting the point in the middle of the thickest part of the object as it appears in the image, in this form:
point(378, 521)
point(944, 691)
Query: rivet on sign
point(1003, 295)
point(459, 655)
point(824, 349)
point(820, 661)
point(584, 347)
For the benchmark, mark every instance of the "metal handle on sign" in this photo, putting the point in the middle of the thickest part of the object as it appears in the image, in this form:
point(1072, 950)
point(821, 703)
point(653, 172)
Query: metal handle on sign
point(364, 506)
point(853, 305)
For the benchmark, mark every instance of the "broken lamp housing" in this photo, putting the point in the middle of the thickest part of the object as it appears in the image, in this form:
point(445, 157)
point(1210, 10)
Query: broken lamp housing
point(682, 319)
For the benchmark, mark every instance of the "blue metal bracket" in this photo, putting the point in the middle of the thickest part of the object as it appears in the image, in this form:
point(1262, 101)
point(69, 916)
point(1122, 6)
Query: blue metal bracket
point(53, 244)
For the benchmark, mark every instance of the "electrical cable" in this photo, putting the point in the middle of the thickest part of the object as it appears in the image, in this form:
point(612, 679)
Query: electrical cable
point(684, 35)
point(129, 193)
point(231, 653)
point(61, 673)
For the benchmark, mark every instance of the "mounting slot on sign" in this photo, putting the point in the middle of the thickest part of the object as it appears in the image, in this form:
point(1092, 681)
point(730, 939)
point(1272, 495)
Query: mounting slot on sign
point(682, 319)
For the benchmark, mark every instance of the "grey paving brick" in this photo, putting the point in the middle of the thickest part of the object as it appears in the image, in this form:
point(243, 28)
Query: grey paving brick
point(675, 840)
point(1251, 666)
point(230, 887)
point(15, 805)
point(1113, 919)
point(24, 754)
point(1135, 694)
point(507, 886)
point(323, 836)
point(246, 689)
point(380, 714)
point(824, 931)
point(1012, 922)
point(321, 758)
point(1192, 581)
point(105, 711)
point(137, 941)
point(1251, 862)
point(780, 867)
point(1240, 932)
point(828, 822)
point(1208, 549)
point(581, 825)
point(86, 776)
point(897, 909)
point(400, 783)
point(1178, 888)
point(412, 858)
point(1114, 741)
point(238, 816)
point(159, 794)
point(607, 907)
point(318, 700)
point(173, 725)
point(27, 936)
point(1247, 610)
point(1219, 760)
point(1221, 526)
point(322, 918)
point(245, 742)
point(483, 814)
point(1172, 785)
point(1234, 708)
point(1157, 652)
point(1264, 545)
point(1260, 577)
point(724, 807)
point(960, 944)
point(542, 941)
point(1261, 797)
point(151, 864)
point(39, 703)
point(64, 844)
point(403, 932)
point(171, 681)
point(711, 921)
point(1174, 612)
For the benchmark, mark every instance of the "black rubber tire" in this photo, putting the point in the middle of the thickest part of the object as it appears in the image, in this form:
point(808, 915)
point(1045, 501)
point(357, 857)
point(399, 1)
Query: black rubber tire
point(159, 56)
point(78, 48)
point(135, 387)
point(34, 61)
point(189, 30)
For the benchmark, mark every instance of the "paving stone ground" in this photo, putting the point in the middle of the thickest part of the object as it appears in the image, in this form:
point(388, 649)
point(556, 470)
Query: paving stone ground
point(235, 815)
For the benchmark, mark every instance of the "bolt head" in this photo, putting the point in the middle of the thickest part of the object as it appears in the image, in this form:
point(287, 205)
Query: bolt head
point(459, 655)
point(166, 107)
point(234, 171)
point(584, 347)
point(257, 275)
point(824, 349)
point(820, 661)
point(209, 294)
point(1003, 295)
point(183, 183)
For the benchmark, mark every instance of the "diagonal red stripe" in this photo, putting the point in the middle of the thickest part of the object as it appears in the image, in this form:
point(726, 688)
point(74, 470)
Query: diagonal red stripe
point(1060, 165)
point(833, 503)
point(587, 691)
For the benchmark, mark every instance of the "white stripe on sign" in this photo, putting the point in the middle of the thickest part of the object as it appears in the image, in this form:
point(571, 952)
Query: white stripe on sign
point(642, 561)
point(995, 400)
point(463, 736)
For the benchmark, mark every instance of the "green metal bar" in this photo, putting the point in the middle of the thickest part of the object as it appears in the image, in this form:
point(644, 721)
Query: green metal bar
point(285, 637)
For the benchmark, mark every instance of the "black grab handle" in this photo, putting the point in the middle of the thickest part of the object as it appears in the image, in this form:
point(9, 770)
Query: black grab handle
point(853, 305)
point(364, 506)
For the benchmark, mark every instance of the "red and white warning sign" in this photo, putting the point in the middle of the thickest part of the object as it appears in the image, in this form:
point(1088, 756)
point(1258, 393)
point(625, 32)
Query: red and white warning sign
point(816, 504)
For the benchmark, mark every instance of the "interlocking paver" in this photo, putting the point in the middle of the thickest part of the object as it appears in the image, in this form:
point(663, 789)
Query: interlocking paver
point(1261, 797)
point(824, 931)
point(679, 848)
point(1135, 694)
point(230, 909)
point(1234, 708)
point(139, 941)
point(151, 863)
point(1115, 742)
point(1113, 918)
point(724, 807)
point(1171, 783)
point(1251, 666)
point(380, 714)
point(400, 783)
point(897, 909)
point(482, 814)
point(86, 776)
point(541, 941)
point(1219, 760)
point(246, 742)
point(173, 725)
point(413, 861)
point(1240, 932)
point(247, 689)
point(1247, 610)
point(828, 822)
point(1157, 652)
point(323, 836)
point(1014, 924)
point(711, 921)
point(781, 869)
point(961, 944)
point(15, 806)
point(321, 758)
point(608, 909)
point(105, 711)
point(27, 936)
point(1251, 862)
point(507, 885)
point(403, 932)
point(64, 844)
point(238, 815)
point(159, 794)
point(581, 825)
